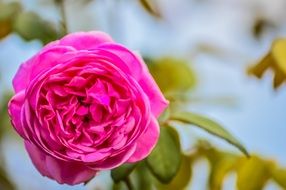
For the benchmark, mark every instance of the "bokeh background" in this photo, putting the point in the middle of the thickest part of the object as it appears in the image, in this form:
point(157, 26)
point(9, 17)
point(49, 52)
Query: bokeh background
point(219, 39)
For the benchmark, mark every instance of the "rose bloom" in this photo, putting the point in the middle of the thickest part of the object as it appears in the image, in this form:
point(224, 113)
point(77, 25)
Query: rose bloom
point(83, 104)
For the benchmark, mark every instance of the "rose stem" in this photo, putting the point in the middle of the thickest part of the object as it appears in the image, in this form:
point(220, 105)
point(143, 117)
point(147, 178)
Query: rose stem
point(128, 183)
point(61, 5)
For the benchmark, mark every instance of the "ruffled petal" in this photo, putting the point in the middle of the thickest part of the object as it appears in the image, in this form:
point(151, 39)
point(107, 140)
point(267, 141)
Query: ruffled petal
point(71, 173)
point(85, 40)
point(115, 161)
point(41, 62)
point(139, 71)
point(146, 142)
point(14, 109)
point(132, 65)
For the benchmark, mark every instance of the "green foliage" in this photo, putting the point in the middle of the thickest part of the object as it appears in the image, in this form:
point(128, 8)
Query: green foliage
point(252, 173)
point(122, 172)
point(182, 178)
point(172, 75)
point(275, 60)
point(142, 178)
point(8, 11)
point(119, 186)
point(164, 161)
point(279, 176)
point(167, 167)
point(208, 125)
point(220, 165)
point(30, 26)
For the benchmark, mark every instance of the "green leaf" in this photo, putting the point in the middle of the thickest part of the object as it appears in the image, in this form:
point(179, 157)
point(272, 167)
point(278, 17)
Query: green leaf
point(151, 7)
point(278, 52)
point(208, 125)
point(31, 26)
point(119, 186)
point(183, 177)
point(252, 174)
point(279, 176)
point(142, 177)
point(122, 172)
point(164, 161)
point(260, 68)
point(220, 165)
point(172, 75)
point(8, 11)
point(274, 60)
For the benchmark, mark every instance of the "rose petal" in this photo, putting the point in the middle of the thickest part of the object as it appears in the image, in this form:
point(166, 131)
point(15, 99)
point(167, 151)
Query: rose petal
point(85, 40)
point(146, 141)
point(139, 70)
point(134, 66)
point(44, 60)
point(115, 161)
point(71, 173)
point(14, 109)
point(74, 160)
point(150, 87)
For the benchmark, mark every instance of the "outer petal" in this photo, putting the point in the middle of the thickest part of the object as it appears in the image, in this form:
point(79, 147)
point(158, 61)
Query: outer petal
point(51, 53)
point(44, 60)
point(14, 110)
point(150, 87)
point(85, 40)
point(71, 173)
point(139, 70)
point(146, 142)
point(115, 160)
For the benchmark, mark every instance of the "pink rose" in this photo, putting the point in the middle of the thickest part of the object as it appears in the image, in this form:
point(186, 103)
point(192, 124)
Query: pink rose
point(83, 104)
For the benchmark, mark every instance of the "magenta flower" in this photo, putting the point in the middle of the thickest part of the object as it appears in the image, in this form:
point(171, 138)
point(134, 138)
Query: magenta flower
point(83, 104)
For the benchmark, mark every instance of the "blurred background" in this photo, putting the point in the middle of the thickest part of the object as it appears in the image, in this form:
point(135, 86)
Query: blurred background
point(218, 40)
